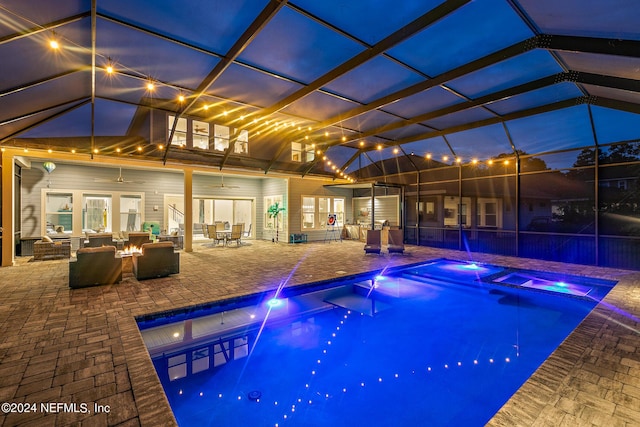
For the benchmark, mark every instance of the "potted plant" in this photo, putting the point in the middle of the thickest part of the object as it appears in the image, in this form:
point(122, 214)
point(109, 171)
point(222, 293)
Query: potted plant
point(274, 211)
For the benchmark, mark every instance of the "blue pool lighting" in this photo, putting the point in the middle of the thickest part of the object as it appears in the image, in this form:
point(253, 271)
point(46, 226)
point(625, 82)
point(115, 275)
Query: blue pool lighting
point(274, 302)
point(447, 324)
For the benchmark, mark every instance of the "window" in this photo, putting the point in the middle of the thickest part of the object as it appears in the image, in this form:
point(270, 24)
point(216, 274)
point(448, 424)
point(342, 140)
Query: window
point(296, 152)
point(489, 213)
point(220, 138)
point(96, 212)
point(242, 143)
point(308, 213)
point(131, 212)
point(309, 152)
point(324, 209)
point(75, 212)
point(200, 135)
point(59, 213)
point(316, 211)
point(302, 152)
point(622, 185)
point(453, 217)
point(193, 133)
point(180, 135)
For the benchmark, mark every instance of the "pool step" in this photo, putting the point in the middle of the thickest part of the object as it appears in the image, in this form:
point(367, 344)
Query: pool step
point(360, 303)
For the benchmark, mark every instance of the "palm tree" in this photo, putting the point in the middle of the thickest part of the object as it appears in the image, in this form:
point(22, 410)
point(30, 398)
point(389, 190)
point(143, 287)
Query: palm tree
point(274, 211)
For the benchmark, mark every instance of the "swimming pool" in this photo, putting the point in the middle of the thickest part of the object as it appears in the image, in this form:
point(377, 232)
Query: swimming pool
point(440, 343)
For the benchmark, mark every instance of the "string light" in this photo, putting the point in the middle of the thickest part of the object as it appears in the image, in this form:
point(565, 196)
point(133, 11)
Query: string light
point(109, 66)
point(53, 42)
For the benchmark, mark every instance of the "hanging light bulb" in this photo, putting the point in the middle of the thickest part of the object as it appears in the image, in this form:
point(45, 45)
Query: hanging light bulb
point(109, 68)
point(53, 41)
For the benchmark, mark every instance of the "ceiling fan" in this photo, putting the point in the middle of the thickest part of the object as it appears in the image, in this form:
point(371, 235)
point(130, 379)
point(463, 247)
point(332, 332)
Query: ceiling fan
point(119, 180)
point(222, 186)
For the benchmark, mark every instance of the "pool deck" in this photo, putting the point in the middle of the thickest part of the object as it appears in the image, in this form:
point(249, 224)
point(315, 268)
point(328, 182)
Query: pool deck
point(83, 345)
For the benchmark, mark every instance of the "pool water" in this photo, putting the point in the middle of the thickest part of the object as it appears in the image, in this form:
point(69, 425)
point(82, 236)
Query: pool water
point(397, 350)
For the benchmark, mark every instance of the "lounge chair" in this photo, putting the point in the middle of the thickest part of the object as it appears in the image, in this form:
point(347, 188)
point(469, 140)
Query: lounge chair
point(396, 242)
point(373, 242)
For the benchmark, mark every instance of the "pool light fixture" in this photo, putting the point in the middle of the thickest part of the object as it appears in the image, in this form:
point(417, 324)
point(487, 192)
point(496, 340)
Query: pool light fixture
point(274, 302)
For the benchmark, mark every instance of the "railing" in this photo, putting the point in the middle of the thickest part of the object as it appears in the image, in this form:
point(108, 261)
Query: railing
point(612, 251)
point(175, 215)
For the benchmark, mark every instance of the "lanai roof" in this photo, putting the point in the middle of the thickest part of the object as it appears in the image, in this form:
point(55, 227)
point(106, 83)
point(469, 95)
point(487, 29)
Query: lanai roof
point(461, 78)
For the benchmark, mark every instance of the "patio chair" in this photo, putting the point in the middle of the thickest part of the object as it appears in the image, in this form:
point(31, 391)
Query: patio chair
point(220, 234)
point(156, 260)
point(95, 266)
point(373, 242)
point(396, 242)
point(137, 238)
point(236, 234)
point(97, 240)
point(214, 234)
